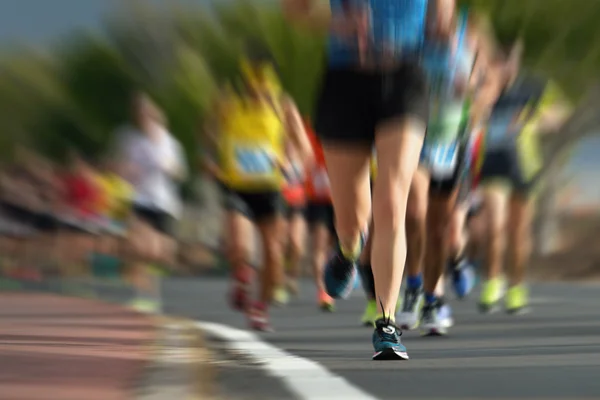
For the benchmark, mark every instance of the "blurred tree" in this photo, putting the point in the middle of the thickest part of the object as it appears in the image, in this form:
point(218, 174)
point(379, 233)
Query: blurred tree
point(99, 88)
point(28, 88)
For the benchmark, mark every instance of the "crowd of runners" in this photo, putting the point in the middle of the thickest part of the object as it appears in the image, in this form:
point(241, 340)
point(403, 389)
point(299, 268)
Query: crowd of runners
point(419, 165)
point(109, 215)
point(422, 154)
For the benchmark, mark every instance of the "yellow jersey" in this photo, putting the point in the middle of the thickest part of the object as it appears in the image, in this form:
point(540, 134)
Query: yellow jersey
point(119, 195)
point(528, 143)
point(252, 146)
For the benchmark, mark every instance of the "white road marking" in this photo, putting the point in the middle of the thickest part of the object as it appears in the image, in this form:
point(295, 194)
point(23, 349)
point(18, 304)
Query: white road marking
point(305, 378)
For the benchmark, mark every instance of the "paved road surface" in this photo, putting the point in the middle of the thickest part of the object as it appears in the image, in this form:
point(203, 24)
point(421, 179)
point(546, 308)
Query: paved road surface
point(59, 348)
point(552, 353)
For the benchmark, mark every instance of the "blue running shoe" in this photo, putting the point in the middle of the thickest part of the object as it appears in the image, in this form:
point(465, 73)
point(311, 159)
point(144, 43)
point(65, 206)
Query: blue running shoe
point(357, 282)
point(386, 341)
point(463, 277)
point(340, 274)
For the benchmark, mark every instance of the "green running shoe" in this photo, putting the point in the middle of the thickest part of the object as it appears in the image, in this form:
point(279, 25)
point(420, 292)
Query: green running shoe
point(517, 299)
point(491, 293)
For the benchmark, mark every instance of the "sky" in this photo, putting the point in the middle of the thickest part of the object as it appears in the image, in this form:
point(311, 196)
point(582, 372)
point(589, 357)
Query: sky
point(39, 22)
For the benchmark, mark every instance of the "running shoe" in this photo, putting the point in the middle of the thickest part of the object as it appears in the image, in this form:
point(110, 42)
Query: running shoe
point(258, 318)
point(386, 341)
point(517, 300)
point(281, 297)
point(436, 318)
point(491, 293)
point(239, 296)
point(463, 277)
point(408, 318)
point(145, 305)
point(326, 303)
point(340, 274)
point(370, 314)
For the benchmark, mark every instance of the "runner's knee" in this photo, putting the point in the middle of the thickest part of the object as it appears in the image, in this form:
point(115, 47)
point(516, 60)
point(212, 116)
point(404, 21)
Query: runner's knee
point(390, 198)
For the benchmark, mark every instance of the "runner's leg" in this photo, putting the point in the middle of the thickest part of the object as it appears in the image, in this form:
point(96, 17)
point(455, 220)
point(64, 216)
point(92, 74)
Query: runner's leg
point(519, 250)
point(296, 248)
point(436, 318)
point(463, 274)
point(368, 282)
point(495, 199)
point(238, 231)
point(416, 236)
point(320, 218)
point(268, 209)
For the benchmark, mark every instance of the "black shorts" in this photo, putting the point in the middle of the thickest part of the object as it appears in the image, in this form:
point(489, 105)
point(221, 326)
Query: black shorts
point(352, 103)
point(459, 180)
point(162, 221)
point(321, 213)
point(503, 165)
point(292, 211)
point(258, 206)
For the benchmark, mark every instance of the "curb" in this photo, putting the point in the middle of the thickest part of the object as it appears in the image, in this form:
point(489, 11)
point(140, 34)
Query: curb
point(180, 364)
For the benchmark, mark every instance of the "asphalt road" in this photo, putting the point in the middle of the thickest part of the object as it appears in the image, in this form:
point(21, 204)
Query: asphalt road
point(551, 353)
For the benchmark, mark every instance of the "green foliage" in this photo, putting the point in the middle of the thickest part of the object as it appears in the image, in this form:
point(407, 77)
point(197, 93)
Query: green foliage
point(181, 56)
point(562, 38)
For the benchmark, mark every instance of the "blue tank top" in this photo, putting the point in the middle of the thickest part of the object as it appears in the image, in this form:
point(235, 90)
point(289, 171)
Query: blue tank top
point(396, 28)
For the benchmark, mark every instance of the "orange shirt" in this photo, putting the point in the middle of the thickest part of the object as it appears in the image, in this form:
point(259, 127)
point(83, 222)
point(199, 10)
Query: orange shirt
point(317, 184)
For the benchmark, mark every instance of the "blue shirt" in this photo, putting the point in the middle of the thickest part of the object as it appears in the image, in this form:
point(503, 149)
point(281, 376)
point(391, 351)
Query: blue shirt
point(396, 27)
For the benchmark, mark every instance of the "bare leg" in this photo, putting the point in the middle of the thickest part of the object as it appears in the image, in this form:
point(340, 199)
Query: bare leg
point(416, 218)
point(297, 231)
point(519, 243)
point(398, 147)
point(495, 204)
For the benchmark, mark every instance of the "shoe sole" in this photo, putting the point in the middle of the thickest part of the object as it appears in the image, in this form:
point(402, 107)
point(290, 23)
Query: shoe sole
point(328, 308)
point(488, 308)
point(441, 330)
point(518, 311)
point(407, 321)
point(434, 332)
point(390, 355)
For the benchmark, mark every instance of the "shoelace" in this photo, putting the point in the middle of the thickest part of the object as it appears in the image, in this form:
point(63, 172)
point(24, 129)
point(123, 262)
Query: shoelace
point(385, 336)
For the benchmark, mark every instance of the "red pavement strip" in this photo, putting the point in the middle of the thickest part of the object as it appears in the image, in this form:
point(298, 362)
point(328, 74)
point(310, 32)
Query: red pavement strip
point(61, 348)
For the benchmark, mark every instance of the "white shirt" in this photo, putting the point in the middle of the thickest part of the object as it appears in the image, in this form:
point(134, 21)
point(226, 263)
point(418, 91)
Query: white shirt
point(151, 159)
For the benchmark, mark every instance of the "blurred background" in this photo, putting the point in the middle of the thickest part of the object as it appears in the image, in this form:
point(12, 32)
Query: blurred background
point(68, 69)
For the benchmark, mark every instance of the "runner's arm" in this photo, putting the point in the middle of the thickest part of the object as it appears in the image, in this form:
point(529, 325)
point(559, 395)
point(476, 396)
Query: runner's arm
point(209, 140)
point(297, 133)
